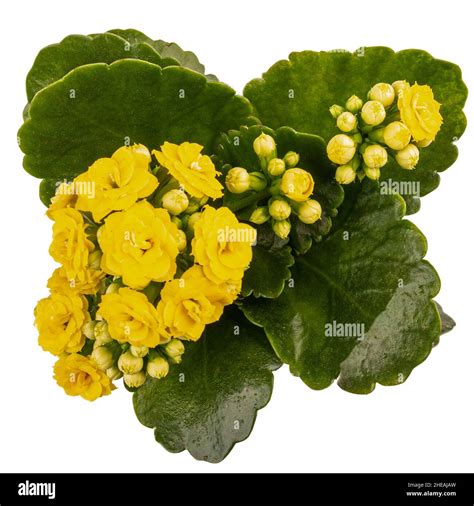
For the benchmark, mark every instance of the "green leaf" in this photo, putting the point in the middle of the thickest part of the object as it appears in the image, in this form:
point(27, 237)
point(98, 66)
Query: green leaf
point(97, 108)
point(55, 61)
point(166, 49)
point(298, 93)
point(209, 402)
point(447, 323)
point(360, 303)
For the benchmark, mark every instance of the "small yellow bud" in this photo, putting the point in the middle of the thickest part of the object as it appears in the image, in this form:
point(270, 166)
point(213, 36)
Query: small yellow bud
point(94, 259)
point(310, 211)
point(336, 110)
point(346, 122)
point(383, 92)
point(237, 180)
point(175, 201)
point(408, 157)
point(88, 329)
point(373, 112)
point(135, 380)
point(158, 367)
point(114, 373)
point(291, 159)
point(398, 86)
point(276, 167)
point(139, 351)
point(282, 228)
point(181, 240)
point(129, 364)
point(260, 215)
point(375, 156)
point(340, 149)
point(372, 172)
point(103, 357)
point(101, 333)
point(279, 209)
point(345, 174)
point(396, 135)
point(192, 220)
point(113, 288)
point(424, 143)
point(264, 146)
point(174, 350)
point(258, 181)
point(354, 104)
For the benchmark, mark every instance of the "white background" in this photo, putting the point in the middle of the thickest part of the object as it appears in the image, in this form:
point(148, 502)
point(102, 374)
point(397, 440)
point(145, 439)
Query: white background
point(425, 424)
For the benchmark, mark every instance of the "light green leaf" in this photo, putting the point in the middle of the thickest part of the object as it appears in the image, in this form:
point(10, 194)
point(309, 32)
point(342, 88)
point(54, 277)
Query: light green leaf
point(360, 307)
point(298, 93)
point(209, 402)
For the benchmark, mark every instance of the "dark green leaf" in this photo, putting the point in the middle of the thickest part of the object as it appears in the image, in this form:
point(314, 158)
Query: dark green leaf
point(447, 323)
point(366, 281)
point(97, 108)
point(209, 402)
point(299, 92)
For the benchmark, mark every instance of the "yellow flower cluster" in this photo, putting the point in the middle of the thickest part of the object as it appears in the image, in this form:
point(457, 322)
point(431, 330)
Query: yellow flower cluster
point(143, 266)
point(397, 120)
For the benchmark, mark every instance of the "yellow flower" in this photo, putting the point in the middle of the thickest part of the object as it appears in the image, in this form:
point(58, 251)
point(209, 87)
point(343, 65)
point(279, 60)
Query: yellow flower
point(297, 184)
point(341, 148)
point(194, 171)
point(79, 375)
point(396, 135)
point(420, 111)
point(70, 246)
point(115, 184)
point(64, 197)
point(131, 318)
point(89, 285)
point(139, 244)
point(222, 245)
point(59, 319)
point(188, 304)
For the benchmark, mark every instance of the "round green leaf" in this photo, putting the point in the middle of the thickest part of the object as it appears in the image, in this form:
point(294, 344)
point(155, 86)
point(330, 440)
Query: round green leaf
point(359, 304)
point(298, 93)
point(209, 402)
point(97, 108)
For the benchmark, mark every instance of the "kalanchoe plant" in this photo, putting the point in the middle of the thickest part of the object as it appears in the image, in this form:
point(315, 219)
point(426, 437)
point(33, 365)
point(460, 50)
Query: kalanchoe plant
point(199, 249)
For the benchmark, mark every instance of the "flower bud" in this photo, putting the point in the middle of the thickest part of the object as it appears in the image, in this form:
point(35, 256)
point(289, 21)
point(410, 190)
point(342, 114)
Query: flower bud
point(260, 215)
point(192, 221)
point(237, 180)
point(310, 211)
point(281, 228)
point(181, 240)
point(340, 149)
point(424, 143)
point(346, 122)
point(88, 329)
point(113, 288)
point(336, 110)
point(174, 350)
point(135, 380)
point(101, 333)
point(354, 104)
point(175, 201)
point(114, 373)
point(345, 174)
point(258, 181)
point(396, 135)
point(398, 86)
point(139, 351)
point(372, 172)
point(103, 357)
point(158, 367)
point(376, 135)
point(291, 159)
point(279, 209)
point(408, 157)
point(373, 112)
point(383, 92)
point(276, 167)
point(129, 364)
point(264, 146)
point(94, 259)
point(375, 156)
